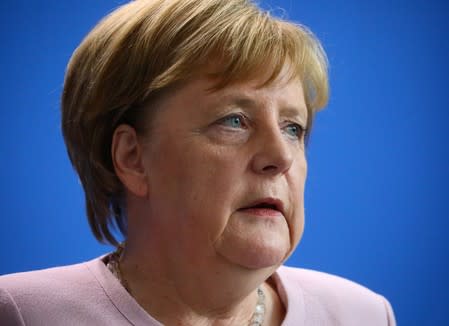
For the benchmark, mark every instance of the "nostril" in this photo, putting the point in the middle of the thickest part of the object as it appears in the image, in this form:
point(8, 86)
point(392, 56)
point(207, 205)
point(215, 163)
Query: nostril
point(271, 160)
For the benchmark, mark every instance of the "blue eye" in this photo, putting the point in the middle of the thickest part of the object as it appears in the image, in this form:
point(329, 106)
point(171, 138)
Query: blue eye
point(294, 130)
point(233, 121)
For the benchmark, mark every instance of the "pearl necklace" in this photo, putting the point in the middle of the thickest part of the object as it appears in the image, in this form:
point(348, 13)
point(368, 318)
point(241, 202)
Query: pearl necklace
point(113, 265)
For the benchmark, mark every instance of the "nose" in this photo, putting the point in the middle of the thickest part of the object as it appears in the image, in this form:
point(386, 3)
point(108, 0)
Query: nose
point(274, 154)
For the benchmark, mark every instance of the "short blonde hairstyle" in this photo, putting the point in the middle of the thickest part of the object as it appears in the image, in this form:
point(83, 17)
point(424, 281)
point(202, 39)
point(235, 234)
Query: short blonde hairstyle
point(146, 47)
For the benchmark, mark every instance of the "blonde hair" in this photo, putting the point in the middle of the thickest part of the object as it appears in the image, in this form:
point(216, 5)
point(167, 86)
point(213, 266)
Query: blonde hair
point(146, 47)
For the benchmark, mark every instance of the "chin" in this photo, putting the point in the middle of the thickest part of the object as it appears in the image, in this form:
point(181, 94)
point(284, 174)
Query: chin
point(258, 254)
point(263, 261)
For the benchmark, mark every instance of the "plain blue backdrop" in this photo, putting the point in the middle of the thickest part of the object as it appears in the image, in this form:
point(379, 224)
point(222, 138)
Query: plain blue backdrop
point(377, 199)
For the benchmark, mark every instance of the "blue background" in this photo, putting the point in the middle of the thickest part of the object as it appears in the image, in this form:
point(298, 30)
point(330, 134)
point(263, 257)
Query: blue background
point(377, 201)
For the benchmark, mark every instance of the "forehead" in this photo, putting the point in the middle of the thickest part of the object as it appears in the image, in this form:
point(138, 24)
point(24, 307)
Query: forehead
point(287, 95)
point(259, 88)
point(210, 93)
point(196, 103)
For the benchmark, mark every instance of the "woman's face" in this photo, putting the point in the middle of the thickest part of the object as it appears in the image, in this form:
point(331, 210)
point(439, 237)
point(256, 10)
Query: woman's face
point(226, 172)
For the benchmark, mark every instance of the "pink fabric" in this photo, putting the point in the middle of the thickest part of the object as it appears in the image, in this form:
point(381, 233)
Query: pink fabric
point(88, 294)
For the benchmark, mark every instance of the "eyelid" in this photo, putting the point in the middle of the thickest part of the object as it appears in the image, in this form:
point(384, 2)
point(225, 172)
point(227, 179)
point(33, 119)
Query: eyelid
point(241, 115)
point(302, 130)
point(298, 123)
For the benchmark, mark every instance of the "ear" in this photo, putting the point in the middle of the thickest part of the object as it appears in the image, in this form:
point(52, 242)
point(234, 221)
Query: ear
point(127, 158)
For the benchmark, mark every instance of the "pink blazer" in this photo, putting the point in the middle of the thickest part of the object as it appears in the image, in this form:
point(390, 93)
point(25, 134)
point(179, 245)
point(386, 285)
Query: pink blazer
point(88, 294)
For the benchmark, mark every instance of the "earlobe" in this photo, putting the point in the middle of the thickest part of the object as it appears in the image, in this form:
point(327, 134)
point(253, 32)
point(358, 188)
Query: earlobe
point(126, 153)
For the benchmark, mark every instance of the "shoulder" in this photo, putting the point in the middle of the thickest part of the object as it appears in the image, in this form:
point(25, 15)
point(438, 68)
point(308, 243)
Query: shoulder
point(342, 301)
point(57, 281)
point(50, 277)
point(324, 285)
point(51, 296)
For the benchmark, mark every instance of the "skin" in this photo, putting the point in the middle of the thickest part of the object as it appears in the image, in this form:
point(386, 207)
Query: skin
point(194, 256)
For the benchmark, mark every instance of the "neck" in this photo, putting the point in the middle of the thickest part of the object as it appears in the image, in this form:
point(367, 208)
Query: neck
point(185, 292)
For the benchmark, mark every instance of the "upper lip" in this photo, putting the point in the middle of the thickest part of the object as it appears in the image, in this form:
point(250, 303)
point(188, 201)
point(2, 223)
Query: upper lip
point(275, 202)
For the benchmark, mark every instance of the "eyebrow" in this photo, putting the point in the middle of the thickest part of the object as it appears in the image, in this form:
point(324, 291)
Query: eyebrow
point(243, 101)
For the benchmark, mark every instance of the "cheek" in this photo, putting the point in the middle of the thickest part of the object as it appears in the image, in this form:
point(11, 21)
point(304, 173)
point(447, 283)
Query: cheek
point(296, 185)
point(202, 184)
point(215, 188)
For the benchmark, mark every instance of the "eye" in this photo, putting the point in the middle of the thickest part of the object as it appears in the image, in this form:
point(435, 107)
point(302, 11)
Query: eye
point(233, 121)
point(294, 130)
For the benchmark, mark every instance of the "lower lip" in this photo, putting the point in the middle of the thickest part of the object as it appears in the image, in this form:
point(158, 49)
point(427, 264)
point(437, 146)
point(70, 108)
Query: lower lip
point(262, 212)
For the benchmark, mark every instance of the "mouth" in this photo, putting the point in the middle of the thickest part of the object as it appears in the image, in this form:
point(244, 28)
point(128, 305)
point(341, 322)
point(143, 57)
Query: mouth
point(265, 206)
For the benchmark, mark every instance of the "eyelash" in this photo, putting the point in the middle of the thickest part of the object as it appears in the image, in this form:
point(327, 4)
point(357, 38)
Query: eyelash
point(243, 120)
point(301, 131)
